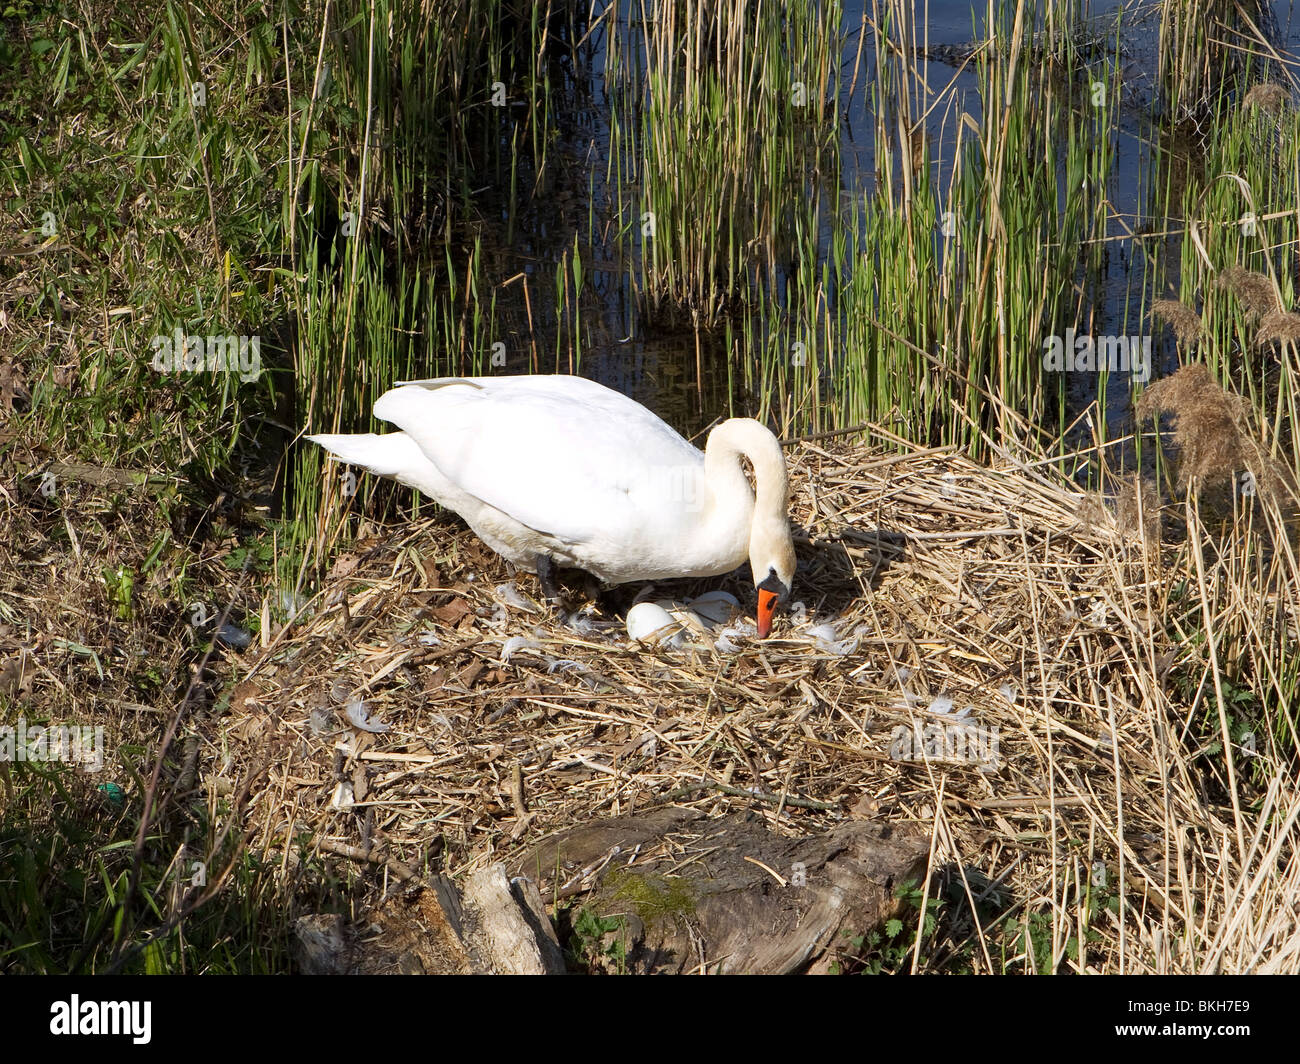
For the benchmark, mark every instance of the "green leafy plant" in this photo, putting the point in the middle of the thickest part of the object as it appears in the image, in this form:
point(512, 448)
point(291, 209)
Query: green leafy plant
point(591, 948)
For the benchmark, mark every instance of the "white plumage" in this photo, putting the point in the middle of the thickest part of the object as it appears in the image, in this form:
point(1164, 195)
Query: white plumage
point(570, 470)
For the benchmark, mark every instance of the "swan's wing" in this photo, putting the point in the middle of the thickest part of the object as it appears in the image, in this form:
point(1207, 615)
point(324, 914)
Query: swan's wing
point(562, 455)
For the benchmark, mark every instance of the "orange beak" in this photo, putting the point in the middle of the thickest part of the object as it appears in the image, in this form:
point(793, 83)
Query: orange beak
point(766, 611)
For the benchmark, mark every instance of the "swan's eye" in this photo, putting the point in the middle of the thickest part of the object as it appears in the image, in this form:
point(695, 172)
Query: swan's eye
point(774, 584)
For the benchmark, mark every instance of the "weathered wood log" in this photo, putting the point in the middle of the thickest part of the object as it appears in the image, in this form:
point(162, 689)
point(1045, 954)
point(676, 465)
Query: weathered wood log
point(320, 944)
point(494, 927)
point(692, 894)
point(505, 933)
point(684, 893)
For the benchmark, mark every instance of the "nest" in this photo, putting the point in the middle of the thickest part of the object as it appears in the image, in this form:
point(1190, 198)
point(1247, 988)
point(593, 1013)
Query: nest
point(968, 649)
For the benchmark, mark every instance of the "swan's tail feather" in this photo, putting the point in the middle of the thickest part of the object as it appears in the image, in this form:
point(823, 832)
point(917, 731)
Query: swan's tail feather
point(393, 454)
point(389, 455)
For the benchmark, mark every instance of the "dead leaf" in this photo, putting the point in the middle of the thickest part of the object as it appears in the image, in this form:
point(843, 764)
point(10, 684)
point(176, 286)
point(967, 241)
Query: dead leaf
point(451, 613)
point(343, 565)
point(11, 386)
point(865, 808)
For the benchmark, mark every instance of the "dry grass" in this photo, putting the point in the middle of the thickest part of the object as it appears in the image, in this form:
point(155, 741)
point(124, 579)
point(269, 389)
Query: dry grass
point(1105, 820)
point(949, 580)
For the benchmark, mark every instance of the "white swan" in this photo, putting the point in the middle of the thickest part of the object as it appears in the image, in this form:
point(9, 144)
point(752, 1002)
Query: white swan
point(562, 470)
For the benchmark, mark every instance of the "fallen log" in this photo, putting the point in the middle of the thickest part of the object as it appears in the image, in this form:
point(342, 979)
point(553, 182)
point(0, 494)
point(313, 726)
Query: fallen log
point(692, 894)
point(669, 891)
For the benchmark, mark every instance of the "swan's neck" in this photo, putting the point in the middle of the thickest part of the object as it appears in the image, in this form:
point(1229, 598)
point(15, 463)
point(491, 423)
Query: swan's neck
point(734, 504)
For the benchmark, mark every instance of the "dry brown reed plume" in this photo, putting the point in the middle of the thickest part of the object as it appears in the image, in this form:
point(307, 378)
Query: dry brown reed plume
point(1268, 97)
point(1185, 322)
point(1259, 298)
point(1211, 430)
point(1280, 327)
point(1255, 291)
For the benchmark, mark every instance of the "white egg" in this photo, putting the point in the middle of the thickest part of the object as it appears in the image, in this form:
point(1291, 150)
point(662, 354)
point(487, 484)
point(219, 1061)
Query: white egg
point(649, 622)
point(715, 607)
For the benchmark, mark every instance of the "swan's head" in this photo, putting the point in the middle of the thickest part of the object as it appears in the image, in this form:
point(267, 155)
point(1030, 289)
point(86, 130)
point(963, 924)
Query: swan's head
point(771, 550)
point(771, 559)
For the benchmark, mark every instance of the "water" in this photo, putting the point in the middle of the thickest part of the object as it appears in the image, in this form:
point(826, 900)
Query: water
point(681, 373)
